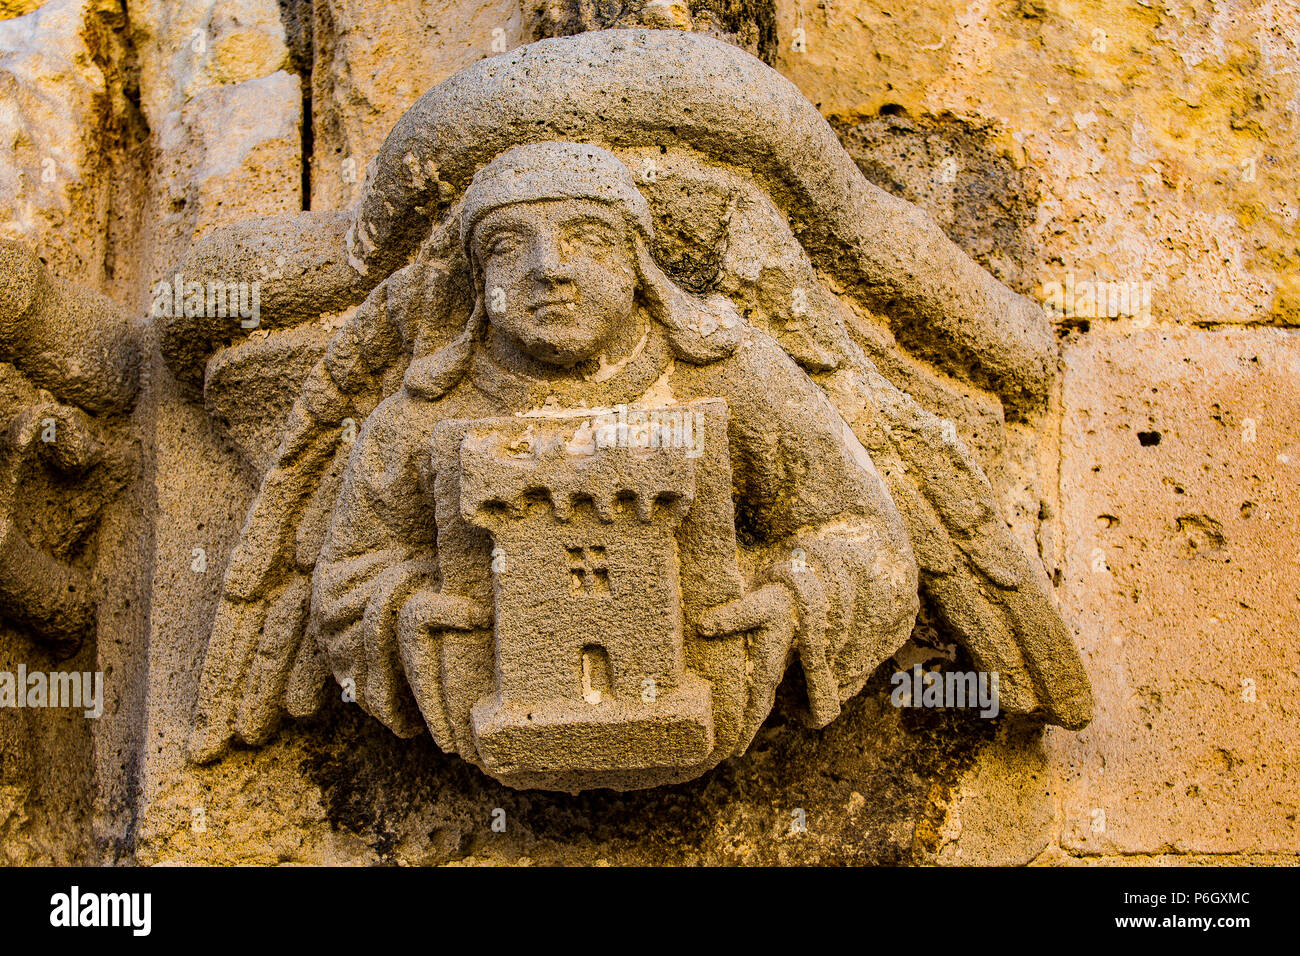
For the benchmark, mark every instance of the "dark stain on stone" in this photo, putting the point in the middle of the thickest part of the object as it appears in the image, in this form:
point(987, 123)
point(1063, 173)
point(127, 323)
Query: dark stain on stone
point(750, 24)
point(415, 805)
point(955, 171)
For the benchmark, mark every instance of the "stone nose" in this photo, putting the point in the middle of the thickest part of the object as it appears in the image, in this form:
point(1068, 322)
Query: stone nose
point(549, 259)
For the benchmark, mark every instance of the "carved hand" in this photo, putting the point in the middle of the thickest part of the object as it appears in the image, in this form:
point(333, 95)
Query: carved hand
point(795, 594)
point(768, 607)
point(426, 613)
point(431, 609)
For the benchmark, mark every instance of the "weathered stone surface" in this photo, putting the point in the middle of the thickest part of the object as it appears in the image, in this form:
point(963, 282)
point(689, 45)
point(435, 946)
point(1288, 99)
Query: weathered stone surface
point(54, 121)
point(373, 60)
point(1055, 144)
point(46, 795)
point(958, 173)
point(1165, 137)
point(1003, 811)
point(1178, 484)
point(750, 24)
point(938, 302)
point(231, 152)
point(17, 8)
point(69, 369)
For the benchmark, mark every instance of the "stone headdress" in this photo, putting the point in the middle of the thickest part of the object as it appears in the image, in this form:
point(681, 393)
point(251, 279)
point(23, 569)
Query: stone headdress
point(553, 170)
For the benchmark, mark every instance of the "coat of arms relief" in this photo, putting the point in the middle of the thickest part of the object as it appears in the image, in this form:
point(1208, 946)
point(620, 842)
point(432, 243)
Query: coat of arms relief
point(638, 398)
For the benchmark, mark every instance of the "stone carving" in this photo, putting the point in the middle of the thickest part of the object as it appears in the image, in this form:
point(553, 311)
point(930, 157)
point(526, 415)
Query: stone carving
point(616, 433)
point(69, 367)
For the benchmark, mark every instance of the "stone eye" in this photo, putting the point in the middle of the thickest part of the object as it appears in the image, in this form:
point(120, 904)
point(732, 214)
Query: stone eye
point(501, 243)
point(592, 234)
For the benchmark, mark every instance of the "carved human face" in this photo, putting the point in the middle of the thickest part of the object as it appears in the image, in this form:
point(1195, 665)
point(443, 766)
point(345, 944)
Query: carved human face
point(559, 276)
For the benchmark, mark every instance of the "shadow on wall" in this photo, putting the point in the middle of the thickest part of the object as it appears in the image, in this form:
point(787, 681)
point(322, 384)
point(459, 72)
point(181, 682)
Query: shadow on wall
point(872, 788)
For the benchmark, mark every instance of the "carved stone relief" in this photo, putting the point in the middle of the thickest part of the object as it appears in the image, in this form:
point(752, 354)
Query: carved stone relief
point(636, 396)
point(69, 367)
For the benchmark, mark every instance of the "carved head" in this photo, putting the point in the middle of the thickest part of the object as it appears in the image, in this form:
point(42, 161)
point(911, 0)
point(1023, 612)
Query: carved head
point(558, 238)
point(555, 232)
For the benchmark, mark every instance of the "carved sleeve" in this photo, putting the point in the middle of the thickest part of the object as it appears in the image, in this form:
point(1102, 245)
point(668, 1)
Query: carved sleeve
point(815, 511)
point(378, 551)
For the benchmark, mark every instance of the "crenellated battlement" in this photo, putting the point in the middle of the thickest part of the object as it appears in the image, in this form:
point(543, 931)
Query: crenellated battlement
point(509, 473)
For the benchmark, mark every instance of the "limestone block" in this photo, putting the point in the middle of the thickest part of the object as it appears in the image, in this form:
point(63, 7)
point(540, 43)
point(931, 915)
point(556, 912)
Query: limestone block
point(1002, 813)
point(1181, 468)
point(231, 153)
point(188, 47)
point(53, 112)
point(1165, 137)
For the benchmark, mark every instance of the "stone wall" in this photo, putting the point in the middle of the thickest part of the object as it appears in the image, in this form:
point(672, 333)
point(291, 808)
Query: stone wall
point(1130, 165)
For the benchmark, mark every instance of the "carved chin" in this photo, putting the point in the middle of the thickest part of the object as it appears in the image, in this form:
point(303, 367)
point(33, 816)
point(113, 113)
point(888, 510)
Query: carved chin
point(561, 339)
point(560, 351)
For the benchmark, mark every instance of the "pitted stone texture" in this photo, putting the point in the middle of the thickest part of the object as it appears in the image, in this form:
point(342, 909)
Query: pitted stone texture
point(750, 24)
point(341, 789)
point(1165, 135)
point(69, 364)
point(46, 795)
point(53, 115)
point(76, 343)
point(1181, 471)
point(373, 60)
point(17, 8)
point(957, 172)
